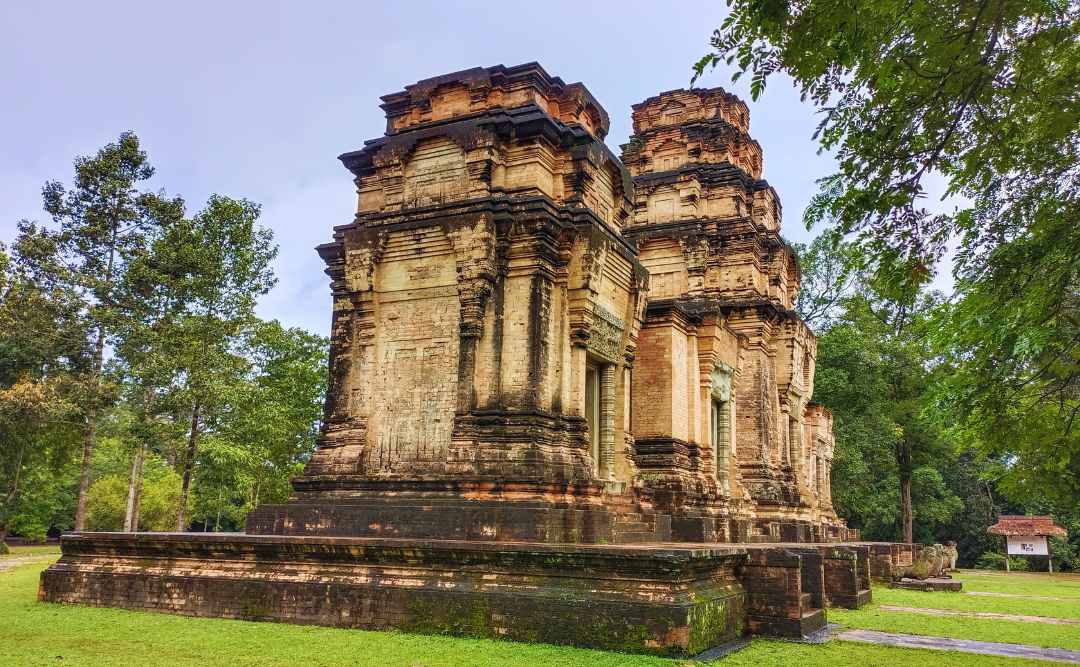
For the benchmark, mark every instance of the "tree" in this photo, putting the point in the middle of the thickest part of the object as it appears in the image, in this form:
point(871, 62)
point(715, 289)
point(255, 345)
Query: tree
point(153, 295)
point(270, 427)
point(828, 269)
point(875, 370)
point(101, 224)
point(42, 356)
point(231, 257)
point(982, 97)
point(33, 414)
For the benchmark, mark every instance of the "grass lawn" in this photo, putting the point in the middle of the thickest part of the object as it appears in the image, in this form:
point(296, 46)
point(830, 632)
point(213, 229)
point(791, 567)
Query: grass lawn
point(960, 602)
point(36, 550)
point(34, 633)
point(1065, 586)
point(1058, 585)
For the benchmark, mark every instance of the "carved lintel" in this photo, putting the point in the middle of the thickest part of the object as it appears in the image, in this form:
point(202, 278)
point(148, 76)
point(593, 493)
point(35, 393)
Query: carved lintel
point(605, 333)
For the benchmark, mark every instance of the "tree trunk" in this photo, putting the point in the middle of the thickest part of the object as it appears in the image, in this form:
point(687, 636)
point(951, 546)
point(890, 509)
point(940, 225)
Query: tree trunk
point(84, 470)
point(131, 521)
point(217, 522)
point(905, 508)
point(131, 518)
point(138, 492)
point(189, 464)
point(13, 493)
point(131, 488)
point(91, 425)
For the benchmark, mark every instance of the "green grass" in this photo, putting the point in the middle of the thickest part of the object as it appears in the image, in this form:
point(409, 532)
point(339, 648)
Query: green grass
point(34, 550)
point(872, 617)
point(36, 633)
point(960, 602)
point(1058, 585)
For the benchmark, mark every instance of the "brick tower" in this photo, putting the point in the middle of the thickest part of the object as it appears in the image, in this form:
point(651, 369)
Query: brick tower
point(735, 449)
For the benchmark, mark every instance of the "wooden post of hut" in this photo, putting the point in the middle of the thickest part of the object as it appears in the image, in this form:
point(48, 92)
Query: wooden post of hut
point(1026, 536)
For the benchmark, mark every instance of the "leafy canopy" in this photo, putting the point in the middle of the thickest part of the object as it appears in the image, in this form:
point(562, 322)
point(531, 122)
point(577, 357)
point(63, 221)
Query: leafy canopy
point(982, 98)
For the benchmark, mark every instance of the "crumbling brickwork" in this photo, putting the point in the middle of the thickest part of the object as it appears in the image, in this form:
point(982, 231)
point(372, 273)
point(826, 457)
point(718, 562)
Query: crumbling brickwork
point(724, 283)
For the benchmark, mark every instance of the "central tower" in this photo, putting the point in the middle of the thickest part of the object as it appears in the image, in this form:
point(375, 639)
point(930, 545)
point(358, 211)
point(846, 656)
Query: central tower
point(486, 309)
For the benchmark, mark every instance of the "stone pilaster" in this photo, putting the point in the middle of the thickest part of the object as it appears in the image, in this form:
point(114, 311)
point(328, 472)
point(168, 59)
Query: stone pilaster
point(607, 422)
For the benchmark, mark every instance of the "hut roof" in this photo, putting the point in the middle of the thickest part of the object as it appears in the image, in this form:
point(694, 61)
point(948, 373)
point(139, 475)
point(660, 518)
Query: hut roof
point(1017, 526)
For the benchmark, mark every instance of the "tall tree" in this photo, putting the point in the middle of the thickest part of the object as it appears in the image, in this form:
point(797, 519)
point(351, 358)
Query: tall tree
point(231, 256)
point(873, 373)
point(101, 224)
point(983, 97)
point(152, 297)
point(829, 271)
point(269, 429)
point(875, 369)
point(42, 336)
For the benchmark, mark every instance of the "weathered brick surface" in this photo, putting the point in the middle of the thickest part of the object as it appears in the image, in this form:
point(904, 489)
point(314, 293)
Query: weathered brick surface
point(723, 282)
point(666, 600)
point(777, 603)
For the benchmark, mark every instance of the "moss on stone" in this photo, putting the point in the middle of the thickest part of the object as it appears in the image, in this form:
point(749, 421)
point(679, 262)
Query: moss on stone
point(462, 618)
point(714, 622)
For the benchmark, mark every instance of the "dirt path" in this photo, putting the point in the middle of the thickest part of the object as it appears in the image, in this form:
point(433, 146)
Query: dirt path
point(981, 614)
point(964, 645)
point(1018, 595)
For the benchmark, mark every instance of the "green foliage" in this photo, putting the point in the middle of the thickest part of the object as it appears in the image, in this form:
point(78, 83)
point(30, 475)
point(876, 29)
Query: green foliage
point(873, 371)
point(269, 427)
point(971, 477)
point(103, 223)
point(36, 430)
point(995, 560)
point(828, 274)
point(130, 329)
point(1066, 555)
point(160, 501)
point(229, 259)
point(105, 505)
point(981, 97)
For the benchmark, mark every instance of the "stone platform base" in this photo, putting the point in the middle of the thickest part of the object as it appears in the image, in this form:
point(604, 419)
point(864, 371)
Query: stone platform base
point(931, 584)
point(674, 600)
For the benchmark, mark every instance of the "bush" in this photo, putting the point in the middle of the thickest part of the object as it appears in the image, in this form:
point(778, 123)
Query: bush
point(1066, 556)
point(107, 503)
point(993, 560)
point(4, 549)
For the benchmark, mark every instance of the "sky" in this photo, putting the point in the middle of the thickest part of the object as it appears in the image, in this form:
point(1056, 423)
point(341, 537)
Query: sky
point(256, 99)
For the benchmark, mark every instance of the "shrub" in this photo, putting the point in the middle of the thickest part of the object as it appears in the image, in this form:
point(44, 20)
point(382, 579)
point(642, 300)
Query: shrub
point(1066, 556)
point(107, 503)
point(4, 549)
point(993, 560)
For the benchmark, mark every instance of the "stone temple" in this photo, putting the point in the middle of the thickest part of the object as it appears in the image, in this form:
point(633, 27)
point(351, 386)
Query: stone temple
point(569, 397)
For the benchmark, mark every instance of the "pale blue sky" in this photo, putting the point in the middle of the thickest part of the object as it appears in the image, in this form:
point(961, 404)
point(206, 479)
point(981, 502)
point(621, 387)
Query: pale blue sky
point(256, 99)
